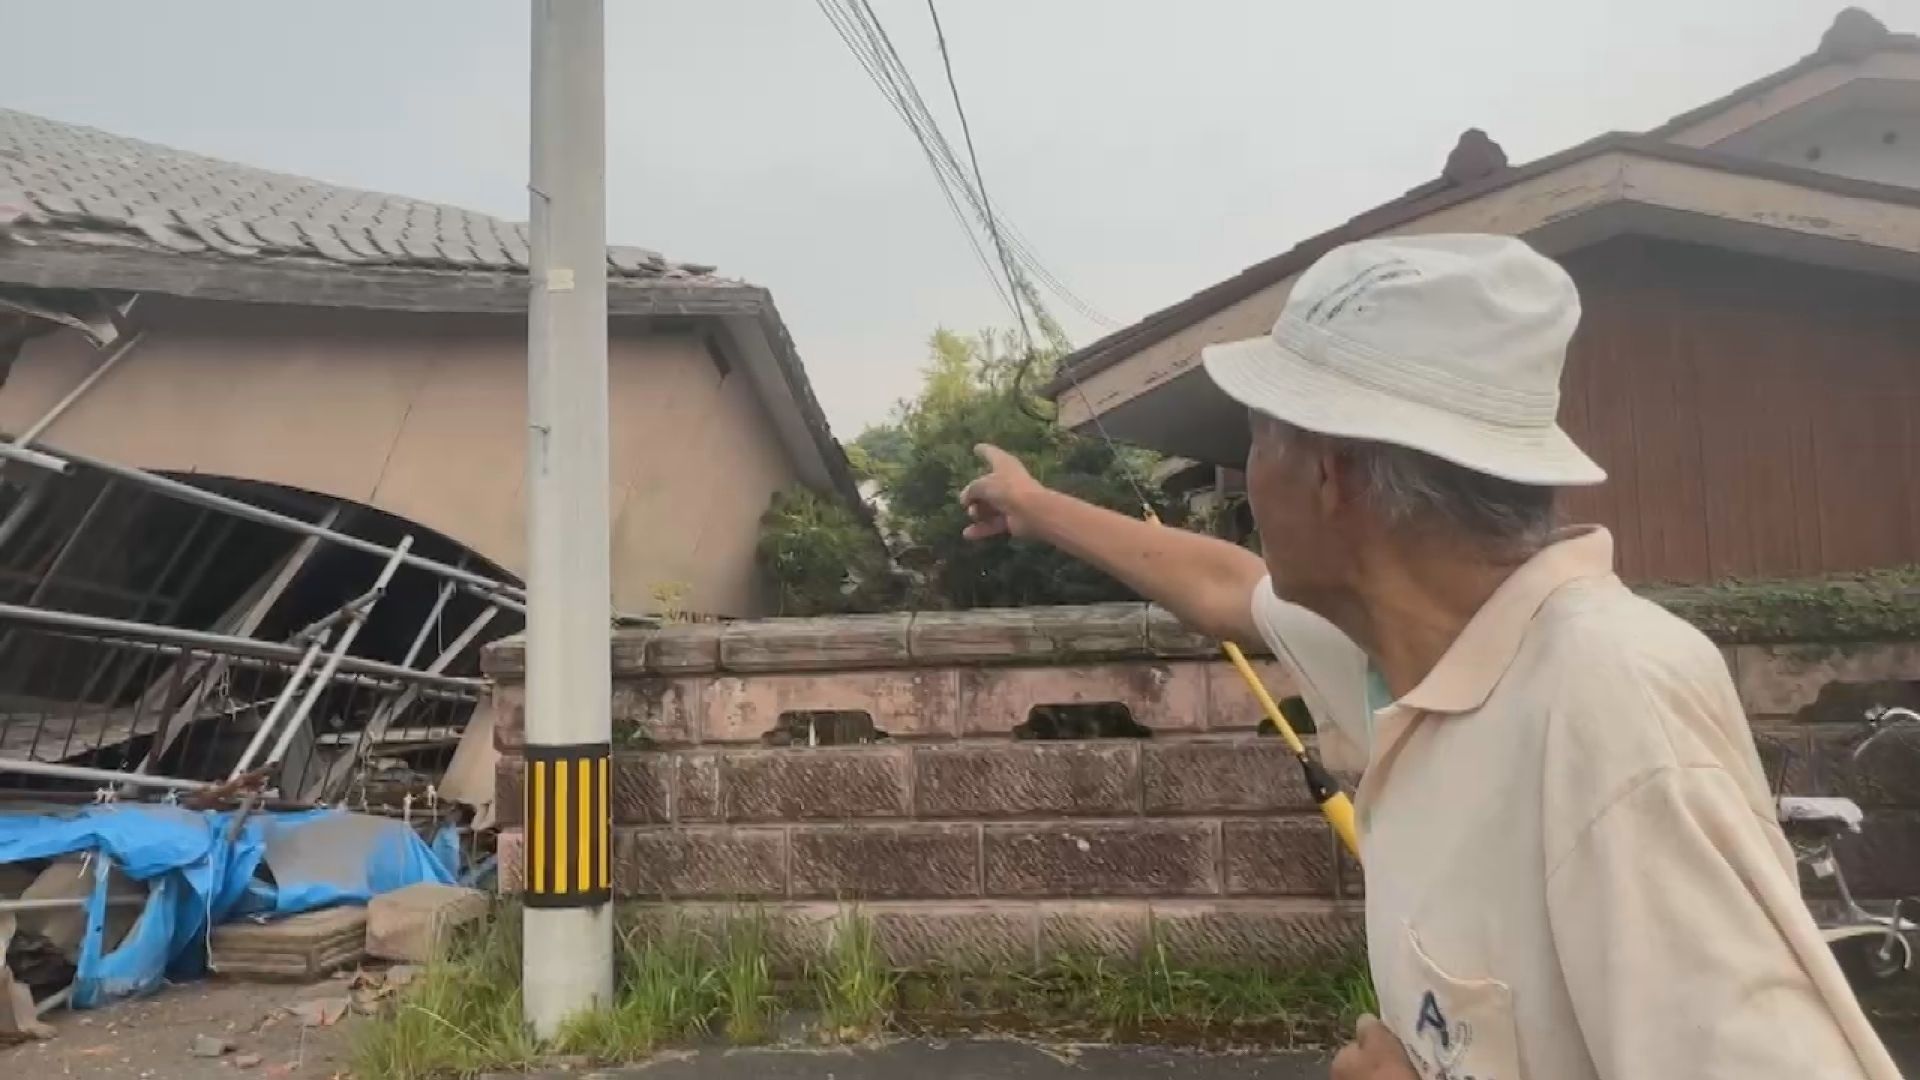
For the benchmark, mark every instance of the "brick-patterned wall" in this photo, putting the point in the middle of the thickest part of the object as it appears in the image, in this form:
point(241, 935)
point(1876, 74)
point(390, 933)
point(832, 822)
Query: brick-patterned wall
point(960, 840)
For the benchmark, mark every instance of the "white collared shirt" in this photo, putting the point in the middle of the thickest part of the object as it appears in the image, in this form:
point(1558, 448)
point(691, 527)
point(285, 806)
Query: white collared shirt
point(1573, 869)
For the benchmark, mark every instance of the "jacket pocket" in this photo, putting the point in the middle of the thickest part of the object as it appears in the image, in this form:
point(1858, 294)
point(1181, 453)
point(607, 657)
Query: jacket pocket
point(1456, 1028)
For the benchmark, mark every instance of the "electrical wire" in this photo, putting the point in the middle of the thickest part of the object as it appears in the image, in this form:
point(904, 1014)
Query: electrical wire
point(979, 181)
point(863, 33)
point(993, 228)
point(873, 65)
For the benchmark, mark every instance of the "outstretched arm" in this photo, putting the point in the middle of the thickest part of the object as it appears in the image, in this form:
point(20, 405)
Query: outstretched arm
point(1207, 583)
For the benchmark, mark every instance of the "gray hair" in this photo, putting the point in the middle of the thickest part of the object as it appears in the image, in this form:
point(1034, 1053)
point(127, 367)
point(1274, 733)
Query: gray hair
point(1415, 491)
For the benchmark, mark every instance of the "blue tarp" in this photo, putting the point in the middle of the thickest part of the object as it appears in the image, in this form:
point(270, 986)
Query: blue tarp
point(197, 879)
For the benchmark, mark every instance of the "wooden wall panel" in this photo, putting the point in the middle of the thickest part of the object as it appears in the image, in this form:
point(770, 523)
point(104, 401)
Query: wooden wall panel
point(1759, 418)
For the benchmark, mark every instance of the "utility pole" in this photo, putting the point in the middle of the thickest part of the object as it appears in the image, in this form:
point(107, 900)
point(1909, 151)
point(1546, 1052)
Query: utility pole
point(567, 963)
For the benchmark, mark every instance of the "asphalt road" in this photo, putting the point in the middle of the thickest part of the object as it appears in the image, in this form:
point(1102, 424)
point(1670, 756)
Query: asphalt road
point(1001, 1060)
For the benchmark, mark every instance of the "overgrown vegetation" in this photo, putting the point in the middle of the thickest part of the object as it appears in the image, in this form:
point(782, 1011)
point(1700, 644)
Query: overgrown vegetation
point(1880, 605)
point(976, 390)
point(681, 984)
point(855, 988)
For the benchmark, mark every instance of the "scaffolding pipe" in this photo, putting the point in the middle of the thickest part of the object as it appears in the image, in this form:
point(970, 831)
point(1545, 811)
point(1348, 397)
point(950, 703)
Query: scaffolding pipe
point(39, 427)
point(58, 461)
point(36, 490)
point(100, 776)
point(267, 726)
point(334, 784)
point(341, 644)
point(57, 903)
point(101, 627)
point(469, 688)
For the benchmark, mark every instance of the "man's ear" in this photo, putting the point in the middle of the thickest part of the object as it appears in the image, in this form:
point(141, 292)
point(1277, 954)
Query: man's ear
point(1334, 480)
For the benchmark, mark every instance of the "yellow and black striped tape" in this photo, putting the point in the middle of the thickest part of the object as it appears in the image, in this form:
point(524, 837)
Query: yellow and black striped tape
point(569, 824)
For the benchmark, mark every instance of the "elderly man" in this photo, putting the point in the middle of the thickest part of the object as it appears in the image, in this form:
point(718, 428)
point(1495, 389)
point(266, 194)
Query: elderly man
point(1573, 866)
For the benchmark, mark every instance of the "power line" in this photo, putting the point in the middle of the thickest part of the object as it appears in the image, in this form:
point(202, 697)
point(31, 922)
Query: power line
point(873, 67)
point(993, 228)
point(867, 38)
point(979, 181)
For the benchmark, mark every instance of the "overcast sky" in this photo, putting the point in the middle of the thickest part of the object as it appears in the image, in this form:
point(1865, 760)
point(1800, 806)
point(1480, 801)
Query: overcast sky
point(1145, 148)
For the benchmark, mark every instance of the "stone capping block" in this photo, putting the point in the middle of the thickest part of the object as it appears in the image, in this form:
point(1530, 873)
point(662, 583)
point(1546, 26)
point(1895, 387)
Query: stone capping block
point(1034, 635)
point(1029, 635)
point(1168, 637)
point(842, 643)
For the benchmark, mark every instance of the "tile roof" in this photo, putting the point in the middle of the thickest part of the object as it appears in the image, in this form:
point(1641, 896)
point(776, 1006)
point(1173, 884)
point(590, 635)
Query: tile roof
point(82, 184)
point(1476, 165)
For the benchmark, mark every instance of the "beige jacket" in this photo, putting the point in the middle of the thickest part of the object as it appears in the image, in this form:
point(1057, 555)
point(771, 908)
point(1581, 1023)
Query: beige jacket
point(1573, 865)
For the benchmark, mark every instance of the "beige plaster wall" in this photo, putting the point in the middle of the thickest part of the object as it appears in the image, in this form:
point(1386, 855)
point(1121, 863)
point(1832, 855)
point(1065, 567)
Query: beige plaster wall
point(424, 416)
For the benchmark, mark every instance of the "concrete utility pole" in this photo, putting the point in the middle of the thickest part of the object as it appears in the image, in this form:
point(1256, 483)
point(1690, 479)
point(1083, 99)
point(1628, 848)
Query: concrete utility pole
point(568, 949)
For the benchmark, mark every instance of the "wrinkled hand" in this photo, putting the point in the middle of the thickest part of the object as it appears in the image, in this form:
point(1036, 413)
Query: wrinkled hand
point(997, 502)
point(1374, 1054)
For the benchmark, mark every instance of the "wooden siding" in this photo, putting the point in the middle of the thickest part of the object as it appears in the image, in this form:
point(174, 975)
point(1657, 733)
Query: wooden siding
point(1758, 418)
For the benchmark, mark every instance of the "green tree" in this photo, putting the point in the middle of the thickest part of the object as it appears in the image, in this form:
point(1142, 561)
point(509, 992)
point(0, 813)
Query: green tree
point(975, 390)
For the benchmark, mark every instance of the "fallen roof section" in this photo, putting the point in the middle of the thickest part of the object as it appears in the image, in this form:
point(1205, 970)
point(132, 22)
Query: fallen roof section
point(85, 209)
point(82, 185)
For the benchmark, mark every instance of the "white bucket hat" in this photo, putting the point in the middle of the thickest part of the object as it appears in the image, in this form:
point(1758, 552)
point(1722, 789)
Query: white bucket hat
point(1451, 345)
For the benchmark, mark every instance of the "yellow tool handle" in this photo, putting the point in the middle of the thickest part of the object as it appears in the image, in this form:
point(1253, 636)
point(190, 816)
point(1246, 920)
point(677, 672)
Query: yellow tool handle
point(1334, 803)
point(1265, 699)
point(1338, 810)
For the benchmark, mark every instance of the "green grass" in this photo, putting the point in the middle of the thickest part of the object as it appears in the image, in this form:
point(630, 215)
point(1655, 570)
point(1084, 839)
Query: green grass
point(1084, 995)
point(678, 983)
point(747, 998)
point(462, 1016)
point(855, 987)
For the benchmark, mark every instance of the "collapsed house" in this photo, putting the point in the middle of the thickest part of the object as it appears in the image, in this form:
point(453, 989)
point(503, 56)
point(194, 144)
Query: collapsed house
point(261, 483)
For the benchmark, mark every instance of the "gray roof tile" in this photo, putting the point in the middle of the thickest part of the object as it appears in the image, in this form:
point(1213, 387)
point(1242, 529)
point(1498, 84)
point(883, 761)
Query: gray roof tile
point(84, 183)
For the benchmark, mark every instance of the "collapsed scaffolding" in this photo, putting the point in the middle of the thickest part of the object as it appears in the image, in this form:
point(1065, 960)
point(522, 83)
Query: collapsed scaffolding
point(198, 674)
point(108, 688)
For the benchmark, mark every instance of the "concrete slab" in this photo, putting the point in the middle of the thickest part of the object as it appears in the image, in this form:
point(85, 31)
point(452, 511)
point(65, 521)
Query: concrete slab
point(307, 946)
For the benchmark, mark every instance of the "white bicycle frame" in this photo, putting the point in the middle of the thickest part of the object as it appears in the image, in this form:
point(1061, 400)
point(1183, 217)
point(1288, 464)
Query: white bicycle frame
point(1854, 920)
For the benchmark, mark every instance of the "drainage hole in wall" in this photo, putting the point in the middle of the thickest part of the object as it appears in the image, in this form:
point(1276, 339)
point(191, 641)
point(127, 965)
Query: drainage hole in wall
point(1081, 720)
point(824, 727)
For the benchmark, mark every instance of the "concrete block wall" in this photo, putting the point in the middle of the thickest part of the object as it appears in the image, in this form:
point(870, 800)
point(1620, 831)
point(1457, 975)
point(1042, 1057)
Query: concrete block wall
point(964, 842)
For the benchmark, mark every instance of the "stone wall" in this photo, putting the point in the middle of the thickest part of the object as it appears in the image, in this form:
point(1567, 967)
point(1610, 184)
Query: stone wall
point(967, 840)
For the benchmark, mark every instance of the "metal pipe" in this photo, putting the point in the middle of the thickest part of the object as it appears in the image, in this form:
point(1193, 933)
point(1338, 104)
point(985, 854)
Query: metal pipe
point(469, 688)
point(427, 624)
point(36, 490)
point(55, 771)
point(56, 903)
point(265, 731)
point(334, 784)
point(340, 646)
point(80, 389)
point(102, 627)
point(36, 458)
point(202, 497)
